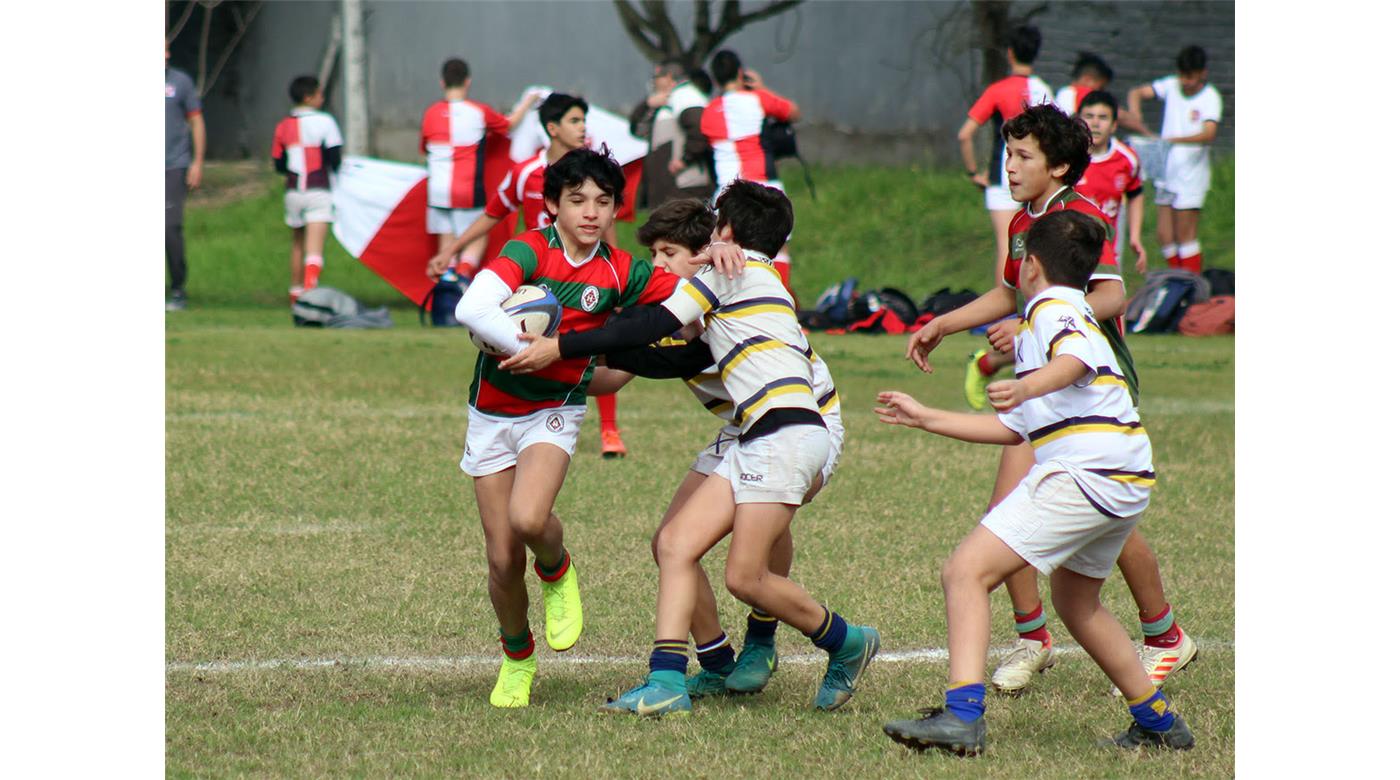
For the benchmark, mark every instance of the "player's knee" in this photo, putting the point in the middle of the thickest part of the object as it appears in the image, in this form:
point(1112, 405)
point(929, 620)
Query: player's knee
point(959, 570)
point(671, 549)
point(655, 547)
point(505, 563)
point(743, 583)
point(1073, 609)
point(529, 522)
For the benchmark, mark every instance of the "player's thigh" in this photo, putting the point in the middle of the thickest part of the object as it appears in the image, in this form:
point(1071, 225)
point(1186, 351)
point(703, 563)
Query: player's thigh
point(503, 548)
point(982, 557)
point(705, 518)
point(757, 529)
point(1016, 462)
point(689, 484)
point(1074, 595)
point(539, 474)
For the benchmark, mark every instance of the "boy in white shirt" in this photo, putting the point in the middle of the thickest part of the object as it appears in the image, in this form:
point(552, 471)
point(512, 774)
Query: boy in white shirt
point(1070, 515)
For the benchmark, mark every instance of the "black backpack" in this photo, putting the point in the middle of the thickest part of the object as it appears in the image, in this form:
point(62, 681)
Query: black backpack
point(1161, 302)
point(779, 139)
point(944, 300)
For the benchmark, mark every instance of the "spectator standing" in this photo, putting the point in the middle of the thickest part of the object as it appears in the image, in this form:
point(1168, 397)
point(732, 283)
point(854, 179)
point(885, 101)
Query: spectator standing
point(678, 161)
point(184, 169)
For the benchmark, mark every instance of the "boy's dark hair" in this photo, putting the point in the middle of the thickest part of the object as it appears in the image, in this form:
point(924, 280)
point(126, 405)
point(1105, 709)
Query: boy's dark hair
point(1064, 139)
point(1024, 43)
point(701, 80)
point(1100, 98)
point(455, 72)
point(580, 165)
point(1091, 64)
point(557, 105)
point(725, 66)
point(760, 216)
point(684, 221)
point(1192, 59)
point(302, 88)
point(673, 68)
point(1068, 245)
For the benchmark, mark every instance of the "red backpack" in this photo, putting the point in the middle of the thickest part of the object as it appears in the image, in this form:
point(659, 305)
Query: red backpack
point(1215, 317)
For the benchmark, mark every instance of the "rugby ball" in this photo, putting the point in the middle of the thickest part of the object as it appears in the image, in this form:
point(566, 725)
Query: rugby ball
point(533, 310)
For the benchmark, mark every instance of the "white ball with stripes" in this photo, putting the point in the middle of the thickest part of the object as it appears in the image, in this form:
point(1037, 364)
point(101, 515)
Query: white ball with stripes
point(533, 309)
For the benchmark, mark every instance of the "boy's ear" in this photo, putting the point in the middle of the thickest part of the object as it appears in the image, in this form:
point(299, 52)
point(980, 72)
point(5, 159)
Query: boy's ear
point(1059, 171)
point(726, 233)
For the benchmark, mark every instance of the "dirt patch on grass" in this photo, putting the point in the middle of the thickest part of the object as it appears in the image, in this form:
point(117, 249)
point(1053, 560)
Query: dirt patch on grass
point(229, 181)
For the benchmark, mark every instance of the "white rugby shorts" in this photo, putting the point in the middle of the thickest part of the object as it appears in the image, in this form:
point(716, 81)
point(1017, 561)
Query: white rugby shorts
point(708, 459)
point(998, 198)
point(452, 222)
point(1049, 522)
point(777, 468)
point(1184, 186)
point(303, 206)
point(494, 443)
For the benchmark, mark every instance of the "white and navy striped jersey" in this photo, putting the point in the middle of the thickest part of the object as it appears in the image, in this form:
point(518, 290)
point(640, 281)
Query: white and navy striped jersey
point(761, 356)
point(1091, 427)
point(710, 391)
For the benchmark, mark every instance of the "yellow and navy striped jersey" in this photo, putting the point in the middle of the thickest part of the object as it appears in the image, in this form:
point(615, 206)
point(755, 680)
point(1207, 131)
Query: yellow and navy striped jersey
point(709, 390)
point(1091, 426)
point(762, 359)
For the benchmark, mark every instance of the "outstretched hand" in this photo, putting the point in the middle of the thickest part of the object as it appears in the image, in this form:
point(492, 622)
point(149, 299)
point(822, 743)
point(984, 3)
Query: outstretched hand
point(901, 409)
point(922, 342)
point(727, 258)
point(540, 352)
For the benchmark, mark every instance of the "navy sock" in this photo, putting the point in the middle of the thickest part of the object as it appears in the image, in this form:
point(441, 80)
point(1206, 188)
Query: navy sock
point(716, 655)
point(762, 627)
point(670, 655)
point(1153, 712)
point(966, 701)
point(831, 634)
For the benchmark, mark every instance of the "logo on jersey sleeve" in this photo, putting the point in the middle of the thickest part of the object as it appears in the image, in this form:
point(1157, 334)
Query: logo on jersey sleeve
point(1018, 244)
point(589, 299)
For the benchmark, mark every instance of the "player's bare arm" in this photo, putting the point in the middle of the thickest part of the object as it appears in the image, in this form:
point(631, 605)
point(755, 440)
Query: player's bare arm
point(1107, 298)
point(606, 380)
point(989, 307)
point(1207, 135)
point(1136, 208)
point(901, 409)
point(969, 154)
point(1131, 119)
point(195, 174)
point(1059, 373)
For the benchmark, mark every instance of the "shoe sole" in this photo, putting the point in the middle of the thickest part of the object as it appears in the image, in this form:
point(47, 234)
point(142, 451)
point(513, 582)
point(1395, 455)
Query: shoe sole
point(1018, 692)
point(920, 745)
point(872, 648)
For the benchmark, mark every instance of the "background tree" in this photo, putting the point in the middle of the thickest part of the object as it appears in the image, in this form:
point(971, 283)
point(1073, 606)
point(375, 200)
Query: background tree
point(648, 23)
point(222, 26)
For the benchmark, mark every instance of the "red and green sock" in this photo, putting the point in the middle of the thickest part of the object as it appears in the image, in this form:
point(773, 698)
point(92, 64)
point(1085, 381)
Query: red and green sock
point(1031, 625)
point(553, 573)
point(1161, 630)
point(519, 646)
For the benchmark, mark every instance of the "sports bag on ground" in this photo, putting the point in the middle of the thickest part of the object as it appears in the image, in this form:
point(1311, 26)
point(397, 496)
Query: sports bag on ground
point(1215, 317)
point(327, 307)
point(1162, 300)
point(441, 301)
point(779, 139)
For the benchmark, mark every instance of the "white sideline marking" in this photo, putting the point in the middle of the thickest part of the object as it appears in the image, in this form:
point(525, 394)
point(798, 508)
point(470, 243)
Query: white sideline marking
point(442, 663)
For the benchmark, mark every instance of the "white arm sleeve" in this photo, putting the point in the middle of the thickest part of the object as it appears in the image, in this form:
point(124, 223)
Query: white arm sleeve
point(480, 310)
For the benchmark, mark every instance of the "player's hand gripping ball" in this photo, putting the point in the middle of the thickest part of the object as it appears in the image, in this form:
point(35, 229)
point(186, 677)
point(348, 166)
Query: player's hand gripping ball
point(533, 310)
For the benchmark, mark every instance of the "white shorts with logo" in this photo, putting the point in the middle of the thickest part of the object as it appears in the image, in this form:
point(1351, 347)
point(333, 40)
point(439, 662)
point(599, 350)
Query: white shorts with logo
point(1049, 522)
point(708, 459)
point(451, 221)
point(495, 443)
point(777, 468)
point(303, 206)
point(998, 198)
point(1184, 186)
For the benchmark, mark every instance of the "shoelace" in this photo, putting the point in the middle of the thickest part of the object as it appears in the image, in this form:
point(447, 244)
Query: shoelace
point(929, 713)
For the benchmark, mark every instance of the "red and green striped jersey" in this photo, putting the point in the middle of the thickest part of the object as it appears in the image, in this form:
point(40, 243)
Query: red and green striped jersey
point(1066, 199)
point(589, 290)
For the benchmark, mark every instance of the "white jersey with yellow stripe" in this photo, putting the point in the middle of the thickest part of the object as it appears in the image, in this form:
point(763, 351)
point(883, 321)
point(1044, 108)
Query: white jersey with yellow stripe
point(709, 390)
point(1091, 427)
point(761, 356)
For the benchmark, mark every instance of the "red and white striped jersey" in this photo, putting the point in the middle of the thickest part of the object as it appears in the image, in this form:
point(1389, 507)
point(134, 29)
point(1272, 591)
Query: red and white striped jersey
point(732, 123)
point(302, 144)
point(522, 190)
point(1110, 177)
point(454, 138)
point(1069, 98)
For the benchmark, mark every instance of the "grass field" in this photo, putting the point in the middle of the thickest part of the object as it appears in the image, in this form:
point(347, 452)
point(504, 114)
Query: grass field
point(326, 609)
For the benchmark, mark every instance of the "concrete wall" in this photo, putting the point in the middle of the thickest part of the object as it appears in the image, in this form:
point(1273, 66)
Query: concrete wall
point(868, 75)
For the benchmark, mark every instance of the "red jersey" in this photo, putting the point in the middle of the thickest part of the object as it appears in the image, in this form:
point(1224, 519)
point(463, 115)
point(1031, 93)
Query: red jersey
point(1003, 101)
point(522, 190)
point(1111, 177)
point(588, 290)
point(306, 146)
point(732, 123)
point(1065, 199)
point(454, 137)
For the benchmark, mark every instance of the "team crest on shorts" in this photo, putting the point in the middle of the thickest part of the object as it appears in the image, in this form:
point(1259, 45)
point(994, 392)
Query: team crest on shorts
point(555, 422)
point(589, 299)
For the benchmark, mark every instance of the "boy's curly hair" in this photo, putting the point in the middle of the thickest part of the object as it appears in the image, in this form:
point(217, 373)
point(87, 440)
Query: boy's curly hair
point(1065, 140)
